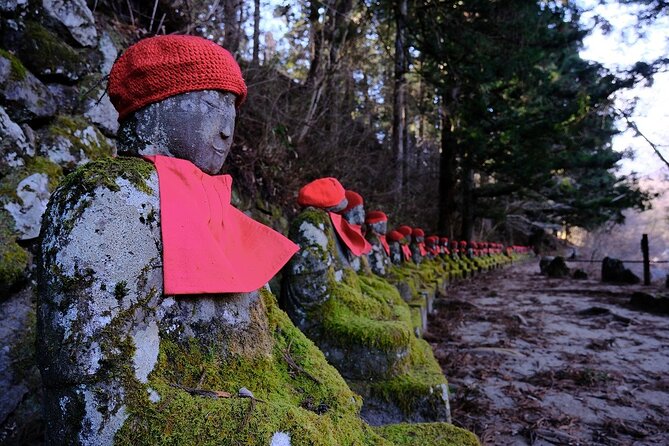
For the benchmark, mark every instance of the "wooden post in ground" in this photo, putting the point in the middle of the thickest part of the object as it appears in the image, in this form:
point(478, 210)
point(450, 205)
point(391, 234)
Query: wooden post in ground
point(646, 259)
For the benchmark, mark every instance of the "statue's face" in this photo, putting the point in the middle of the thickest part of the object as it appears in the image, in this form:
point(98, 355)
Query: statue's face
point(339, 207)
point(197, 126)
point(355, 215)
point(380, 227)
point(418, 239)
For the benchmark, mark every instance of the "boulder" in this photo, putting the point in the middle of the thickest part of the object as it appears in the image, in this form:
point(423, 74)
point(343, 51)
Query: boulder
point(13, 258)
point(14, 145)
point(544, 262)
point(12, 5)
point(614, 271)
point(580, 274)
point(24, 97)
point(75, 17)
point(557, 268)
point(650, 303)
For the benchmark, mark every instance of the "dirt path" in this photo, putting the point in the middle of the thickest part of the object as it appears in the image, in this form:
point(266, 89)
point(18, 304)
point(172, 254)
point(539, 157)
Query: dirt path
point(538, 361)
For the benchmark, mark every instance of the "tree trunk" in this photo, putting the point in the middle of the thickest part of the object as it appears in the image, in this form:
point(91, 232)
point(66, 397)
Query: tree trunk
point(468, 198)
point(231, 28)
point(447, 178)
point(399, 106)
point(256, 33)
point(315, 41)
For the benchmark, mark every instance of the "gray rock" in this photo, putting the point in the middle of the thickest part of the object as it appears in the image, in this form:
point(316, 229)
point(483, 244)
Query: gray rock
point(109, 53)
point(102, 113)
point(33, 194)
point(75, 16)
point(14, 144)
point(20, 385)
point(579, 274)
point(557, 268)
point(12, 5)
point(614, 271)
point(24, 97)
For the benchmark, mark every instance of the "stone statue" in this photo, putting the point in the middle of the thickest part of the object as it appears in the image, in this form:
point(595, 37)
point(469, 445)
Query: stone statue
point(394, 243)
point(379, 256)
point(104, 309)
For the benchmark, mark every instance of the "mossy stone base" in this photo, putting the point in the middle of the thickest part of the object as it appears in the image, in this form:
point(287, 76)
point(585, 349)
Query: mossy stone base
point(433, 434)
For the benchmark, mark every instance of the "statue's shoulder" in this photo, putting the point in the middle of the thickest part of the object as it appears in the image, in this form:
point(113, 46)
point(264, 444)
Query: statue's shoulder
point(110, 188)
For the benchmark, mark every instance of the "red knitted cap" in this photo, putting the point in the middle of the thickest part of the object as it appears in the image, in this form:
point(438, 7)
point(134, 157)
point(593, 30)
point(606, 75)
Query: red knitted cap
point(463, 243)
point(156, 68)
point(433, 240)
point(405, 230)
point(321, 193)
point(444, 240)
point(354, 199)
point(417, 232)
point(375, 217)
point(394, 236)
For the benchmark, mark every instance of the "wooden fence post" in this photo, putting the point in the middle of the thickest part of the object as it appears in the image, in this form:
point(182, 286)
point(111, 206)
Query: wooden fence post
point(646, 259)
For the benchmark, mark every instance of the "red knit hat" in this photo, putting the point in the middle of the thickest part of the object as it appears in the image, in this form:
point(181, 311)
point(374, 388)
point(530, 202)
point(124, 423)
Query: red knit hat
point(321, 193)
point(354, 199)
point(375, 217)
point(395, 236)
point(463, 243)
point(417, 232)
point(433, 240)
point(405, 230)
point(159, 67)
point(444, 240)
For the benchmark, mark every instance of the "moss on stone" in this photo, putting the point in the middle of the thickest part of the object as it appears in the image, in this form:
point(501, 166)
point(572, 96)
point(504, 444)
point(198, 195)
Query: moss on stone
point(38, 164)
point(18, 71)
point(424, 377)
point(74, 129)
point(433, 434)
point(312, 413)
point(13, 258)
point(44, 52)
point(375, 319)
point(104, 173)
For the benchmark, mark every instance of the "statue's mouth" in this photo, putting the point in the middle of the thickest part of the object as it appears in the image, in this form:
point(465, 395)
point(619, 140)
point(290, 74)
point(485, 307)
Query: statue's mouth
point(219, 150)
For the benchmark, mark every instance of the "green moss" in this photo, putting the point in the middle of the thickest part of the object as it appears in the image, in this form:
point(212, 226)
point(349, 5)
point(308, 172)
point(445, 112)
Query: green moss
point(423, 377)
point(45, 52)
point(312, 413)
point(38, 164)
point(13, 258)
point(433, 434)
point(18, 71)
point(374, 319)
point(73, 129)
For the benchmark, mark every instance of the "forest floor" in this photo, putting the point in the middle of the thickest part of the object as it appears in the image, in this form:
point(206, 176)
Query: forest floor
point(539, 361)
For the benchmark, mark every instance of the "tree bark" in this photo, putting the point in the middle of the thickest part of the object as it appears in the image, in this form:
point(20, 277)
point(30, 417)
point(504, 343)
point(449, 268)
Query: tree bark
point(399, 106)
point(255, 61)
point(231, 25)
point(447, 177)
point(468, 200)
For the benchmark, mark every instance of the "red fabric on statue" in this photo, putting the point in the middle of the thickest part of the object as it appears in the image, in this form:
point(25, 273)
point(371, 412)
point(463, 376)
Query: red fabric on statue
point(407, 252)
point(384, 243)
point(350, 234)
point(421, 248)
point(209, 246)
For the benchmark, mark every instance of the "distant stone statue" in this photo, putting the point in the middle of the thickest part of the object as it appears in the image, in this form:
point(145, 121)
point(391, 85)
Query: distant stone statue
point(395, 239)
point(418, 251)
point(379, 256)
point(141, 251)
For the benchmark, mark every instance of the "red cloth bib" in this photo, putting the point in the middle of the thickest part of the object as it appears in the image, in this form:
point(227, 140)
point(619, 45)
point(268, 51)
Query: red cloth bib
point(407, 252)
point(421, 248)
point(350, 234)
point(209, 246)
point(384, 243)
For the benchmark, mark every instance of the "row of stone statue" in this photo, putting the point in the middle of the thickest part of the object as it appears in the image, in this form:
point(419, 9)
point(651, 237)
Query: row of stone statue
point(154, 321)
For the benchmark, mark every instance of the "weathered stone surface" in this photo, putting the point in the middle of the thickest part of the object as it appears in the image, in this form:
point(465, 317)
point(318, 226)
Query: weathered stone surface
point(12, 5)
point(76, 17)
point(650, 303)
point(14, 144)
point(13, 258)
point(614, 271)
point(71, 140)
point(557, 268)
point(20, 385)
point(33, 194)
point(24, 97)
point(378, 260)
point(49, 57)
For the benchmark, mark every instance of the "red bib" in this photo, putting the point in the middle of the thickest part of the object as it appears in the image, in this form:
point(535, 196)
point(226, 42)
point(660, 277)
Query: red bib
point(350, 234)
point(421, 248)
point(384, 243)
point(209, 246)
point(407, 252)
